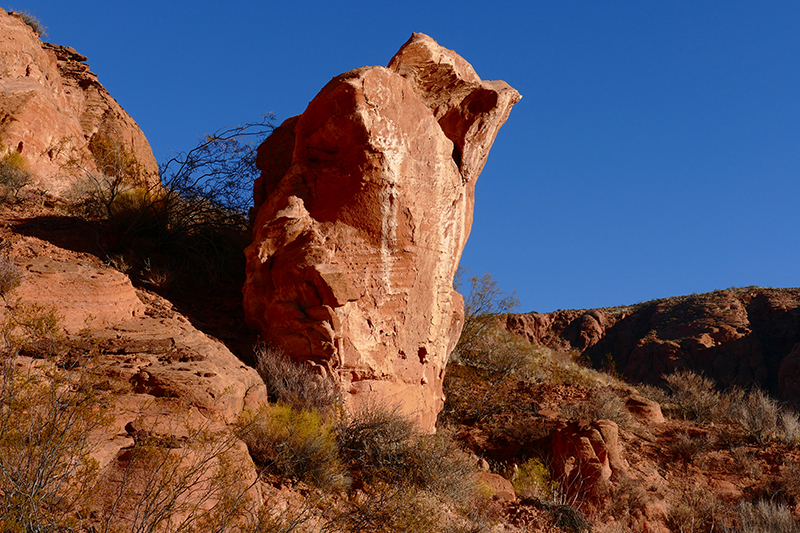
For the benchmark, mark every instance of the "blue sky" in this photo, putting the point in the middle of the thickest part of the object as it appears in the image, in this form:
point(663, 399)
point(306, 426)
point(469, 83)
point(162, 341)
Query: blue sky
point(655, 152)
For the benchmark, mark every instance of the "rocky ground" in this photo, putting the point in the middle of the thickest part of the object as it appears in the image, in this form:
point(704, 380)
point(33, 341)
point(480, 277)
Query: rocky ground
point(611, 458)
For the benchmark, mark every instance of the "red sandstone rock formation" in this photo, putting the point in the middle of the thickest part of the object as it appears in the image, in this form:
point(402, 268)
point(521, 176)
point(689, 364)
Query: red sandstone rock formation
point(52, 107)
point(737, 337)
point(363, 208)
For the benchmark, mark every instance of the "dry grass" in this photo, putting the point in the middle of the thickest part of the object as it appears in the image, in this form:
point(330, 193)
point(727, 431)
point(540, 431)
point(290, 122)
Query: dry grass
point(294, 384)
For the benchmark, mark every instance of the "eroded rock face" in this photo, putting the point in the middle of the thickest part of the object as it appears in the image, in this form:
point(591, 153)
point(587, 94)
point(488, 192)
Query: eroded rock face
point(741, 337)
point(53, 109)
point(363, 209)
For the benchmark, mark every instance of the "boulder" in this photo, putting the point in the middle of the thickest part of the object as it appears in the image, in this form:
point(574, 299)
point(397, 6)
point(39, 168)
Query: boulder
point(587, 456)
point(55, 112)
point(362, 211)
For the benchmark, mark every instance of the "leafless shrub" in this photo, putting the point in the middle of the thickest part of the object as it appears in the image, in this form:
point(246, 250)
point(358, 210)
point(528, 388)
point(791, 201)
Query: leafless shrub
point(696, 511)
point(486, 300)
point(790, 478)
point(294, 384)
point(31, 20)
point(10, 276)
point(790, 427)
point(746, 462)
point(651, 392)
point(389, 507)
point(687, 446)
point(46, 423)
point(602, 403)
point(695, 395)
point(165, 483)
point(759, 416)
point(766, 516)
point(376, 441)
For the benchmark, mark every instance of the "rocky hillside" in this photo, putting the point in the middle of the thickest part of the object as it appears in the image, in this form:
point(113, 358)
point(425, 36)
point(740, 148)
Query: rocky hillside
point(55, 112)
point(745, 337)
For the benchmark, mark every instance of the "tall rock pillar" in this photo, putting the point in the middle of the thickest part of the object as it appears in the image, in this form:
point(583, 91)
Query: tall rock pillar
point(363, 209)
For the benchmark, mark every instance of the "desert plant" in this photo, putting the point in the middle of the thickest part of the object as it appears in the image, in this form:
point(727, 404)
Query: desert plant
point(376, 441)
point(294, 383)
point(532, 480)
point(790, 427)
point(10, 276)
point(766, 516)
point(696, 396)
point(196, 215)
point(759, 416)
point(389, 508)
point(697, 511)
point(294, 443)
point(687, 446)
point(33, 330)
point(196, 482)
point(47, 418)
point(602, 403)
point(14, 173)
point(31, 20)
point(486, 300)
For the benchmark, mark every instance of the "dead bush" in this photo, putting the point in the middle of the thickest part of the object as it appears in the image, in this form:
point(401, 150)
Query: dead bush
point(33, 22)
point(602, 403)
point(376, 441)
point(10, 276)
point(765, 516)
point(745, 461)
point(294, 384)
point(389, 508)
point(687, 446)
point(695, 396)
point(759, 416)
point(697, 511)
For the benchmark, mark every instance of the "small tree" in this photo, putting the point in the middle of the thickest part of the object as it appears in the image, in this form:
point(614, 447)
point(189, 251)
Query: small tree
point(485, 302)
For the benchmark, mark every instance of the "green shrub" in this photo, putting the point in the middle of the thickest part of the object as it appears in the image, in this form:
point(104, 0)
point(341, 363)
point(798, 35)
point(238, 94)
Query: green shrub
point(294, 443)
point(14, 174)
point(532, 480)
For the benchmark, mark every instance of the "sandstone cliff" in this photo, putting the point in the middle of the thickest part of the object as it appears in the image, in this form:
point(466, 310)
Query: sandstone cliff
point(364, 206)
point(53, 110)
point(744, 337)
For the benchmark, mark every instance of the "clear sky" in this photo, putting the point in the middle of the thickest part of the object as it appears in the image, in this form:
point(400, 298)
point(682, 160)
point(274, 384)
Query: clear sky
point(655, 152)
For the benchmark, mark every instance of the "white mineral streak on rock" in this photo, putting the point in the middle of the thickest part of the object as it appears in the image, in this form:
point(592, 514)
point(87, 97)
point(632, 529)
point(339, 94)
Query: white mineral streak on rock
point(363, 209)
